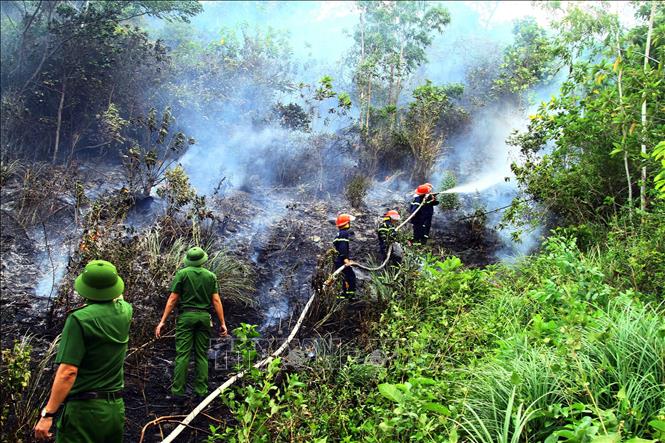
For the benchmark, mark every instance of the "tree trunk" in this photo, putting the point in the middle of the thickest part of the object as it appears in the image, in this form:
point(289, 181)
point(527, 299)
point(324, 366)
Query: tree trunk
point(623, 130)
point(45, 54)
point(390, 84)
point(398, 86)
point(21, 52)
point(59, 123)
point(643, 184)
point(362, 62)
point(369, 102)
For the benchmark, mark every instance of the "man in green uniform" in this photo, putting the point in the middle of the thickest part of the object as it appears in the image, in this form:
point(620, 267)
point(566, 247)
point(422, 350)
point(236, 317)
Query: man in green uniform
point(91, 355)
point(194, 290)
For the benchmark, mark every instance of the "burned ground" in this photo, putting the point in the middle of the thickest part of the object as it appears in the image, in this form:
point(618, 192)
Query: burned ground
point(284, 236)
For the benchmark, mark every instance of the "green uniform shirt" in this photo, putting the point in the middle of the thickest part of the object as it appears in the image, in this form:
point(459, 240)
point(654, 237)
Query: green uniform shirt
point(94, 339)
point(195, 285)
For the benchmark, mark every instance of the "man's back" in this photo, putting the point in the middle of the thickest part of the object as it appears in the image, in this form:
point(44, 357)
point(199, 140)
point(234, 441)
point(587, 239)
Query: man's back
point(195, 285)
point(95, 340)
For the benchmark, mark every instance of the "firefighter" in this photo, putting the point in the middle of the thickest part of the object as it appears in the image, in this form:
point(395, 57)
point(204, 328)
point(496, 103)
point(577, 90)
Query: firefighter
point(88, 382)
point(194, 291)
point(388, 234)
point(422, 221)
point(342, 245)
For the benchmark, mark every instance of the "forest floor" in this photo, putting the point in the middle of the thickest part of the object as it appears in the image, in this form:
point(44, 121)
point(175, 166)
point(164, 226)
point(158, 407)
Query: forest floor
point(283, 233)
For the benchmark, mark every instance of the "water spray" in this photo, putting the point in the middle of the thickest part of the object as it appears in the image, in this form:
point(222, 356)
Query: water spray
point(476, 186)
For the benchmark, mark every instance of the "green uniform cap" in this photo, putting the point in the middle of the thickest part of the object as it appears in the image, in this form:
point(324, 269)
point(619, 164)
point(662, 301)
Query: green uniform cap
point(99, 281)
point(196, 257)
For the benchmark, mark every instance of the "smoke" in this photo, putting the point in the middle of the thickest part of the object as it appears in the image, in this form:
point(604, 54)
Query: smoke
point(240, 141)
point(259, 54)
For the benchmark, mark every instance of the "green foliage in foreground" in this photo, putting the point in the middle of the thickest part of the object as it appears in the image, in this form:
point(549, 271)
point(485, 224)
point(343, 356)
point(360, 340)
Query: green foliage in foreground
point(553, 349)
point(22, 376)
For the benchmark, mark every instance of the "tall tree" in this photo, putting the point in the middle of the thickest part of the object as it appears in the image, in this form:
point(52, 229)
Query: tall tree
point(392, 38)
point(647, 48)
point(430, 103)
point(601, 111)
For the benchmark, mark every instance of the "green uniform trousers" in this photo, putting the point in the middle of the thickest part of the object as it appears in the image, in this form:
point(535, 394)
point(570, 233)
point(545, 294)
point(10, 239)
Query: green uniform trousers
point(91, 421)
point(192, 331)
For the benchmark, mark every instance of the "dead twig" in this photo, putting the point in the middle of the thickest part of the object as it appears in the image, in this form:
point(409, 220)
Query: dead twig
point(156, 422)
point(135, 350)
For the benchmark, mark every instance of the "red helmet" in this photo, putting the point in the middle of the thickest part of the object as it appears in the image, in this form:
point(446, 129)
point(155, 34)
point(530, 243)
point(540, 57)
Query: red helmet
point(392, 214)
point(424, 189)
point(343, 220)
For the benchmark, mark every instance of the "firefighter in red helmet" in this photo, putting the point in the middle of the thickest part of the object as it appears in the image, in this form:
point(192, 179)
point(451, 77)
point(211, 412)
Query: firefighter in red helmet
point(387, 233)
point(422, 221)
point(342, 245)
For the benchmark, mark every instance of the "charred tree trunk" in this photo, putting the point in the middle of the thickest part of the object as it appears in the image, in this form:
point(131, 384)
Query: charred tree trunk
point(58, 125)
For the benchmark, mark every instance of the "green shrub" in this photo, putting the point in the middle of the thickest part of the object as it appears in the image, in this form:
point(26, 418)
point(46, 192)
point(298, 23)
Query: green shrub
point(176, 189)
point(634, 258)
point(356, 190)
point(23, 388)
point(262, 410)
point(448, 202)
point(14, 374)
point(549, 349)
point(623, 355)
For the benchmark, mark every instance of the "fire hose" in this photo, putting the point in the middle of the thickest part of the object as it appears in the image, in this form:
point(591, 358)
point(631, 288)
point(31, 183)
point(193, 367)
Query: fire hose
point(215, 393)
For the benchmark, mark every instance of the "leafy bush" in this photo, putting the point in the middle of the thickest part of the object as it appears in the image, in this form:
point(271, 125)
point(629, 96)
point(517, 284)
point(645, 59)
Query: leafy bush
point(256, 410)
point(430, 104)
point(14, 374)
point(356, 190)
point(23, 387)
point(176, 189)
point(147, 160)
point(448, 202)
point(293, 116)
point(635, 258)
point(659, 155)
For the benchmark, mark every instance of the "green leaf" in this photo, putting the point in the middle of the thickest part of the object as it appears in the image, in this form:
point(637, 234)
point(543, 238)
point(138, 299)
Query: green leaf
point(639, 440)
point(616, 151)
point(658, 425)
point(422, 381)
point(453, 437)
point(609, 438)
point(438, 408)
point(391, 392)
